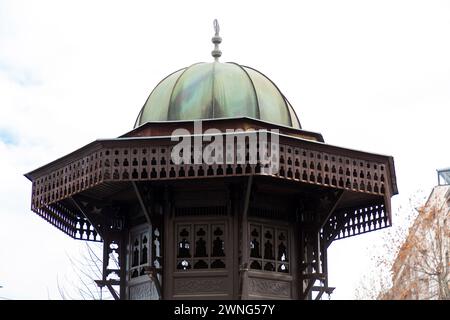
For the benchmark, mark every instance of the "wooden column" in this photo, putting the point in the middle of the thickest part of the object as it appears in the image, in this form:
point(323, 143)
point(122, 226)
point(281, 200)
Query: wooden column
point(245, 243)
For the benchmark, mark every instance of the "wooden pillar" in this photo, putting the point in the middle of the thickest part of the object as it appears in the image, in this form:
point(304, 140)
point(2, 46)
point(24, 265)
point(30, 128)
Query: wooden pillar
point(245, 239)
point(234, 239)
point(166, 244)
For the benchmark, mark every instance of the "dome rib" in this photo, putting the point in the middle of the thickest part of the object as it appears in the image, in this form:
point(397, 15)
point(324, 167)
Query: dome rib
point(174, 86)
point(276, 87)
point(146, 101)
point(291, 108)
point(252, 84)
point(213, 101)
point(138, 119)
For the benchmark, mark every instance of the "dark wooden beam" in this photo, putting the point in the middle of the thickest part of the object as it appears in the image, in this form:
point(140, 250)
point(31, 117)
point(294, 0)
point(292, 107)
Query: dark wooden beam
point(165, 236)
point(322, 290)
point(337, 198)
point(140, 198)
point(319, 295)
point(245, 255)
point(314, 276)
point(123, 263)
point(109, 284)
point(325, 289)
point(340, 224)
point(308, 289)
point(87, 215)
point(93, 201)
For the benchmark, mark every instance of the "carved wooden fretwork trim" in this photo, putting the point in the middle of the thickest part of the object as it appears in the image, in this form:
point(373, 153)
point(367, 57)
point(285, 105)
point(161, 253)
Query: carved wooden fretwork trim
point(350, 222)
point(153, 163)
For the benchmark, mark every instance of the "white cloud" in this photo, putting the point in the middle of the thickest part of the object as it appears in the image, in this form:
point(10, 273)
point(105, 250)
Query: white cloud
point(368, 75)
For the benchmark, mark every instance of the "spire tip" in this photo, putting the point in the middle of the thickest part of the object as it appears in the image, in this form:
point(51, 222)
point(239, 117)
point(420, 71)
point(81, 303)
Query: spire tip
point(216, 40)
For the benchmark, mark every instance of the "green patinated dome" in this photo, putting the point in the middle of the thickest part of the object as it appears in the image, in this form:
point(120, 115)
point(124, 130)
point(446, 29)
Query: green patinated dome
point(217, 90)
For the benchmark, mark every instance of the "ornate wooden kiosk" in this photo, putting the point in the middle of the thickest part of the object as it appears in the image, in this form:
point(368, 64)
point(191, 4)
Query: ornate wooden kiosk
point(220, 231)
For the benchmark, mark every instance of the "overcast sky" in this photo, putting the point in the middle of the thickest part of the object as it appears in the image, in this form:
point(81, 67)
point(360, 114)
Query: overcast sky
point(369, 75)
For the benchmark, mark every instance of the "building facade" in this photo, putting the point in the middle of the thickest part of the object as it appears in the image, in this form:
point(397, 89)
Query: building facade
point(422, 267)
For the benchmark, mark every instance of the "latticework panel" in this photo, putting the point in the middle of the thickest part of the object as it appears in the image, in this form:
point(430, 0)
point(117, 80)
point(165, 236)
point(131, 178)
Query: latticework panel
point(310, 166)
point(349, 222)
point(147, 163)
point(68, 180)
point(70, 223)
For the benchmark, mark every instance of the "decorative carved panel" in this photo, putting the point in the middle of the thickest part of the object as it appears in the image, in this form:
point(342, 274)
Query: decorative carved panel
point(266, 287)
point(139, 249)
point(200, 285)
point(143, 291)
point(269, 247)
point(200, 246)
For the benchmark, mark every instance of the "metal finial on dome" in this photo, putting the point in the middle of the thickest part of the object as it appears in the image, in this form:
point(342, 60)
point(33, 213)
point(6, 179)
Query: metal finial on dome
point(216, 53)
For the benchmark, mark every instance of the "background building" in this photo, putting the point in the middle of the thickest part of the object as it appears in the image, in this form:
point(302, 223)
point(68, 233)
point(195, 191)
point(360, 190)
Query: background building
point(421, 269)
